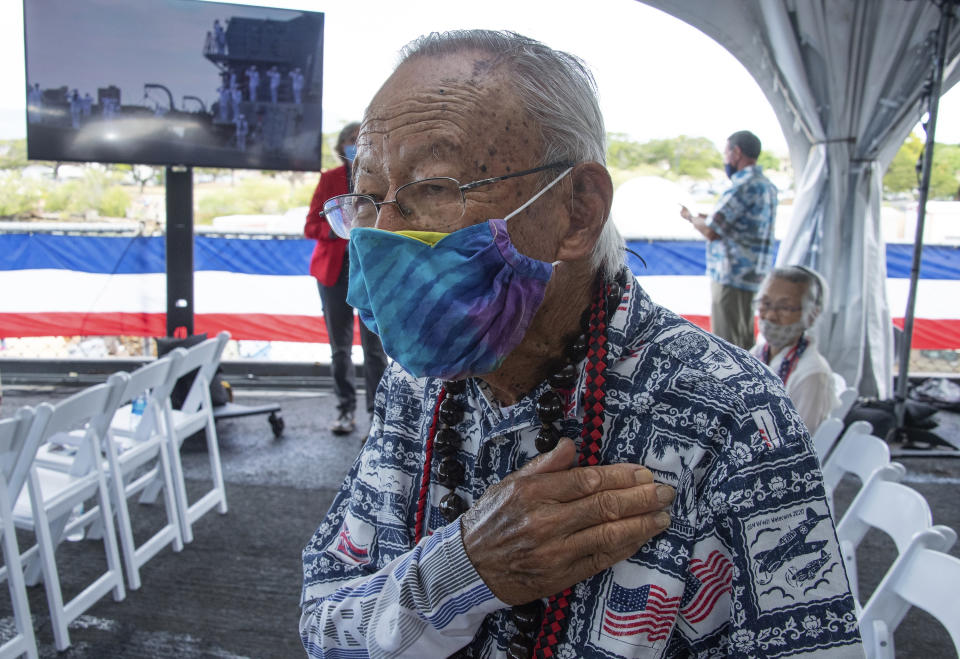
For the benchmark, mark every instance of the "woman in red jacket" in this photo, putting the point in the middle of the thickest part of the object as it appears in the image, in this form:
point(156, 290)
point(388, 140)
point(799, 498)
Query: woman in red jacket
point(330, 265)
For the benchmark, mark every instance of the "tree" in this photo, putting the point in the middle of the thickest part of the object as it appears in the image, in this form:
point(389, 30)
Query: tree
point(694, 157)
point(213, 172)
point(945, 177)
point(13, 154)
point(680, 156)
point(902, 174)
point(140, 174)
point(768, 161)
point(623, 153)
point(328, 156)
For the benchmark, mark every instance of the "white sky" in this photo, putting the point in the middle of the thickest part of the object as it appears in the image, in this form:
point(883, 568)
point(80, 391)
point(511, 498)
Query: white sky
point(657, 76)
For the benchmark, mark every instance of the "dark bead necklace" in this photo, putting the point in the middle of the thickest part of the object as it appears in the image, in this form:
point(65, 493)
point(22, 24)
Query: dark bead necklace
point(538, 630)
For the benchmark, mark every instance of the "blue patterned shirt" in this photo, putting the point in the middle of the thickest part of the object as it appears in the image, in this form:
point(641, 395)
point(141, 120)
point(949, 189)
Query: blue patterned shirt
point(743, 254)
point(749, 567)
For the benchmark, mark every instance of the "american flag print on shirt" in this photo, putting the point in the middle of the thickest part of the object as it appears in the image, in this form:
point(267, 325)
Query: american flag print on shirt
point(707, 582)
point(351, 548)
point(645, 611)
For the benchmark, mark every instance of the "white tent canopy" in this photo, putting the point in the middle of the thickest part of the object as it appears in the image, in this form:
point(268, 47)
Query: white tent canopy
point(846, 80)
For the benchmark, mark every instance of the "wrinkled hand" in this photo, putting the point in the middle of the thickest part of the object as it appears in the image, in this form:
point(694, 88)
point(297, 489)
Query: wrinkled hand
point(551, 525)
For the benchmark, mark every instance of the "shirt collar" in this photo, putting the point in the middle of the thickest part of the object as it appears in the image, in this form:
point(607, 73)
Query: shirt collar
point(747, 172)
point(625, 334)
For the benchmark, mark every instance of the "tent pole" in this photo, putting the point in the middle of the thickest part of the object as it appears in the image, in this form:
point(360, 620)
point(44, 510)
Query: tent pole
point(943, 32)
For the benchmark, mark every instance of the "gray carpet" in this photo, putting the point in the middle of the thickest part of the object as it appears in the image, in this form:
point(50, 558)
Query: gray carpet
point(234, 591)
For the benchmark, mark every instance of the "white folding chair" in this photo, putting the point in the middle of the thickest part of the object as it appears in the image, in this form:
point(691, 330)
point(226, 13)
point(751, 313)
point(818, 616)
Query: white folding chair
point(16, 454)
point(132, 444)
point(51, 495)
point(923, 577)
point(859, 453)
point(886, 505)
point(194, 415)
point(825, 437)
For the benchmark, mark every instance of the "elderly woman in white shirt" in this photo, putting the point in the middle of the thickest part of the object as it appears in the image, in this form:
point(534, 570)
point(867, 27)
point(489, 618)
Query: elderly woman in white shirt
point(787, 305)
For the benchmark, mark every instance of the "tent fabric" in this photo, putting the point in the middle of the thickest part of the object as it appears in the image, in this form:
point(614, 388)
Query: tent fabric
point(845, 79)
point(260, 289)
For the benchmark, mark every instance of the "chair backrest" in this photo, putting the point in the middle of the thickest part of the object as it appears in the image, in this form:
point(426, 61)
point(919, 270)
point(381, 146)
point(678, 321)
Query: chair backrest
point(925, 578)
point(899, 511)
point(156, 380)
point(205, 357)
point(91, 411)
point(89, 406)
point(19, 439)
point(858, 453)
point(826, 436)
point(847, 396)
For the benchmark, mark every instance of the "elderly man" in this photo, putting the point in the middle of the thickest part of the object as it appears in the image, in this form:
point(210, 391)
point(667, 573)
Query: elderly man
point(788, 304)
point(685, 517)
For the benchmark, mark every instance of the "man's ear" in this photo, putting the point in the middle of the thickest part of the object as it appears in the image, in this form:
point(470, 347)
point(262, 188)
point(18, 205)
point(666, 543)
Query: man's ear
point(736, 154)
point(589, 208)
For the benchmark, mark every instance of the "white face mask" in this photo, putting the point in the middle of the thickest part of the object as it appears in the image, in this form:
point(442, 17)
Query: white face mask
point(779, 336)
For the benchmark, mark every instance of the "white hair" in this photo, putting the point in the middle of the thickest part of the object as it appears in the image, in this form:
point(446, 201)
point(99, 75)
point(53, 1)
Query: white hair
point(559, 92)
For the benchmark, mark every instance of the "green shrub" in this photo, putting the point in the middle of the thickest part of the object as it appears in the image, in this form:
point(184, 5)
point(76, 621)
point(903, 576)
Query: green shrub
point(302, 194)
point(114, 202)
point(18, 195)
point(61, 195)
point(251, 196)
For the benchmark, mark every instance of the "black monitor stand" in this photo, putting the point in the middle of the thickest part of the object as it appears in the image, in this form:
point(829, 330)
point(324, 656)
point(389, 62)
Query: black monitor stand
point(179, 248)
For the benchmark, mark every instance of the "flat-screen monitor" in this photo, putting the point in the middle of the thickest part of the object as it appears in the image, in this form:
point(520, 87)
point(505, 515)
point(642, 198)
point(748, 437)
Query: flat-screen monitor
point(173, 82)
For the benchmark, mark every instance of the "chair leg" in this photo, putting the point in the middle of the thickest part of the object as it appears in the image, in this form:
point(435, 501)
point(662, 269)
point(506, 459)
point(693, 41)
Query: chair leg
point(16, 585)
point(48, 566)
point(213, 450)
point(169, 500)
point(95, 532)
point(125, 530)
point(150, 492)
point(110, 539)
point(179, 491)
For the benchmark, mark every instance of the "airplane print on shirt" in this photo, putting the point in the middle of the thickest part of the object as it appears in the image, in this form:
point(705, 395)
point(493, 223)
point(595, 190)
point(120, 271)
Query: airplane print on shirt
point(789, 546)
point(790, 555)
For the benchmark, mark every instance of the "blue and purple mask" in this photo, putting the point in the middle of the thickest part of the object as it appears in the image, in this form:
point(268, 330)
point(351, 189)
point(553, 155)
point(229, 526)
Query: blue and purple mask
point(446, 305)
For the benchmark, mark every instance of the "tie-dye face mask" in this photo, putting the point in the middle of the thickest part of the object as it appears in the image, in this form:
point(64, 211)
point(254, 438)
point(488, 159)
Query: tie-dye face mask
point(446, 305)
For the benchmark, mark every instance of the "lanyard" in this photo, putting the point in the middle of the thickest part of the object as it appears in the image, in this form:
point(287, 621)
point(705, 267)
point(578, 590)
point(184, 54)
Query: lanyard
point(790, 359)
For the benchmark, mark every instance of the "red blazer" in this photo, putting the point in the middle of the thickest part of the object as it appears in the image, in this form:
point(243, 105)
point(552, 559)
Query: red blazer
point(328, 255)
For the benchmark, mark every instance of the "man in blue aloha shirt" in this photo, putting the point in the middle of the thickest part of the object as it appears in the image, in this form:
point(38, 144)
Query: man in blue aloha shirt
point(740, 245)
point(618, 483)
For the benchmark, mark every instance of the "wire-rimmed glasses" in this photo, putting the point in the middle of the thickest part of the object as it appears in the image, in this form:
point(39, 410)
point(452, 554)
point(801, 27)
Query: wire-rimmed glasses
point(440, 199)
point(762, 305)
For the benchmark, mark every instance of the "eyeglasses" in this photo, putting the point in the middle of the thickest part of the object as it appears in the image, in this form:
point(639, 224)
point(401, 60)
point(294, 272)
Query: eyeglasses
point(765, 306)
point(439, 199)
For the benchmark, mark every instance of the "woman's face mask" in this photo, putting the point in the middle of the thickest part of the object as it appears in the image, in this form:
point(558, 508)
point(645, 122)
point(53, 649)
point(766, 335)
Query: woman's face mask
point(779, 336)
point(447, 305)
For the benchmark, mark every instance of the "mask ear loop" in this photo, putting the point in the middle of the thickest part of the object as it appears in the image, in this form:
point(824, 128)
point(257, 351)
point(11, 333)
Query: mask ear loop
point(537, 196)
